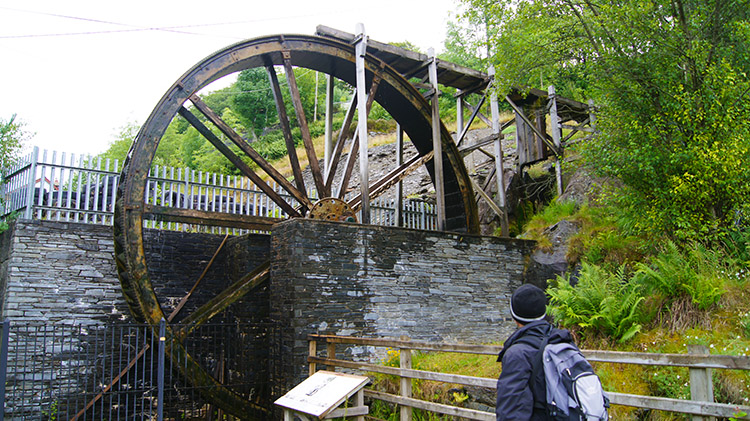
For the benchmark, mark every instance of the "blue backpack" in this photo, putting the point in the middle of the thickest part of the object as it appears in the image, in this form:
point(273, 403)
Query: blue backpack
point(573, 390)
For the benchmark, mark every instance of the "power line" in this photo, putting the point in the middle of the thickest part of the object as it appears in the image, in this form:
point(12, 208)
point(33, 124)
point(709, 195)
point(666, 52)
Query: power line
point(139, 28)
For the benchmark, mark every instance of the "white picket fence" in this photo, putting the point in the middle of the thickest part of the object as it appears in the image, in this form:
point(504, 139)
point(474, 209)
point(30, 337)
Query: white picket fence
point(65, 187)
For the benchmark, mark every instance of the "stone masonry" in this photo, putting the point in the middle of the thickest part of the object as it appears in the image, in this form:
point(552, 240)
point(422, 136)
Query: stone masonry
point(349, 279)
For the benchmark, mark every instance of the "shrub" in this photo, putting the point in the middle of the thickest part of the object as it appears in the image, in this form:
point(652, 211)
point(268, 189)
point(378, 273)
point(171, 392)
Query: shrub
point(697, 274)
point(603, 303)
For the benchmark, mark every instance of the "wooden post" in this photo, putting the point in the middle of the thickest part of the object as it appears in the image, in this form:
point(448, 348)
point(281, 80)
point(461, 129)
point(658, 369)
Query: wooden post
point(437, 143)
point(364, 182)
point(331, 351)
point(554, 122)
point(592, 115)
point(359, 401)
point(499, 171)
point(701, 385)
point(329, 124)
point(312, 347)
point(400, 185)
point(405, 364)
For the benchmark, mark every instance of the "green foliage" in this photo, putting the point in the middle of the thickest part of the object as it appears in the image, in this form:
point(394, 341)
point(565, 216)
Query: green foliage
point(671, 81)
point(253, 99)
point(696, 273)
point(119, 147)
point(12, 137)
point(670, 382)
point(603, 303)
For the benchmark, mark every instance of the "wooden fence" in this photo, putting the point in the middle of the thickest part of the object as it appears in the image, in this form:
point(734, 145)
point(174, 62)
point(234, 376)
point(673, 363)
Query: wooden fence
point(66, 187)
point(700, 364)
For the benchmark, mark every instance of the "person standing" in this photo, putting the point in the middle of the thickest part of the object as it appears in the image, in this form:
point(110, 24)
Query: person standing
point(519, 397)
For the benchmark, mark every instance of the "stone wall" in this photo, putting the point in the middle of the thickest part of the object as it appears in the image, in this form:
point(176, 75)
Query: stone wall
point(59, 277)
point(348, 279)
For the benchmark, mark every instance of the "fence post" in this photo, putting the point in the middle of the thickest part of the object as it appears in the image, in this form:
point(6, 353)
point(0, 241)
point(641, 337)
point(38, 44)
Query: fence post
point(29, 212)
point(405, 364)
point(160, 375)
point(3, 365)
point(701, 385)
point(312, 348)
point(331, 351)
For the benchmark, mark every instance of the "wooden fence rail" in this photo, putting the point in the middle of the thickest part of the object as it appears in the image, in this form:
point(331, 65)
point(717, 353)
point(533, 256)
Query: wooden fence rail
point(701, 405)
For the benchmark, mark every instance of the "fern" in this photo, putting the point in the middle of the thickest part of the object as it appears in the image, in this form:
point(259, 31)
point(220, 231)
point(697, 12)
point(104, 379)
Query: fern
point(602, 303)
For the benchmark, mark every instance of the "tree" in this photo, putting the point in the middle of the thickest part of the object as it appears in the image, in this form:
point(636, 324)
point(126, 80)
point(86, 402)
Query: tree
point(670, 79)
point(12, 137)
point(252, 100)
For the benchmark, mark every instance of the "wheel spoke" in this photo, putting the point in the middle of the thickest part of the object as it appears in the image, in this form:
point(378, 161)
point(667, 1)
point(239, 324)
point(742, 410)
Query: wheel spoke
point(226, 298)
point(393, 177)
point(344, 134)
point(239, 163)
point(249, 151)
point(286, 129)
point(312, 157)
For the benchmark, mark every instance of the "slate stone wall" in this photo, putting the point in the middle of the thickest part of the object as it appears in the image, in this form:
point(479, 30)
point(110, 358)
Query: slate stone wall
point(349, 279)
point(55, 276)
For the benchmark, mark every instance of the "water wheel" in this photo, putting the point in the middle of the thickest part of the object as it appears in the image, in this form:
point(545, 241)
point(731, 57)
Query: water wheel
point(387, 87)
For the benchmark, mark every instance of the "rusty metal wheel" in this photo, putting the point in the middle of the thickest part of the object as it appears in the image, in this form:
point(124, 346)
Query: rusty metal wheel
point(386, 86)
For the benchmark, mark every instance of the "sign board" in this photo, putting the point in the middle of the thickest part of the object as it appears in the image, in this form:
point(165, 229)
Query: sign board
point(322, 392)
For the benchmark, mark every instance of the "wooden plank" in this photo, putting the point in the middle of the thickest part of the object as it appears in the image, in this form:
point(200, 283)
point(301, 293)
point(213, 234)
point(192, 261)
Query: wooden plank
point(312, 157)
point(286, 128)
point(555, 127)
point(250, 152)
point(405, 383)
point(348, 412)
point(199, 217)
point(679, 405)
point(244, 168)
point(463, 413)
point(487, 140)
point(676, 360)
point(412, 374)
point(643, 358)
point(330, 80)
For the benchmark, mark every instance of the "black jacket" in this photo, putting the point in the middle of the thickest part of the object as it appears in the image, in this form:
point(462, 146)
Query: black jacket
point(515, 400)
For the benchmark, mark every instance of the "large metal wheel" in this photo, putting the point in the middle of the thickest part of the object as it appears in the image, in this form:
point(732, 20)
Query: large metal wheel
point(386, 86)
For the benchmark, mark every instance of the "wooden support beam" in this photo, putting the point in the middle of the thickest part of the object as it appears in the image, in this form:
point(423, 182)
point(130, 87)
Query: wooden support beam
point(239, 163)
point(519, 112)
point(286, 128)
point(199, 217)
point(486, 197)
point(352, 158)
point(400, 184)
point(360, 50)
point(312, 156)
point(329, 127)
point(474, 113)
point(499, 172)
point(437, 145)
point(481, 116)
point(344, 133)
point(555, 127)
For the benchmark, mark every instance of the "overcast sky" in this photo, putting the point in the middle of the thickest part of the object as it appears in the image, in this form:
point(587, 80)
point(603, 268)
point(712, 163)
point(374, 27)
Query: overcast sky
point(77, 71)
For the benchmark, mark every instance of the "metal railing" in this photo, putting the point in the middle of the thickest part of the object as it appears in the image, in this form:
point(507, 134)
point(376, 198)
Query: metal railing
point(77, 188)
point(698, 361)
point(90, 372)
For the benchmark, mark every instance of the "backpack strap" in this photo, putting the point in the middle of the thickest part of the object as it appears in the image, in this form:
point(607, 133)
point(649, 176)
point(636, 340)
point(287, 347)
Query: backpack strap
point(536, 366)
